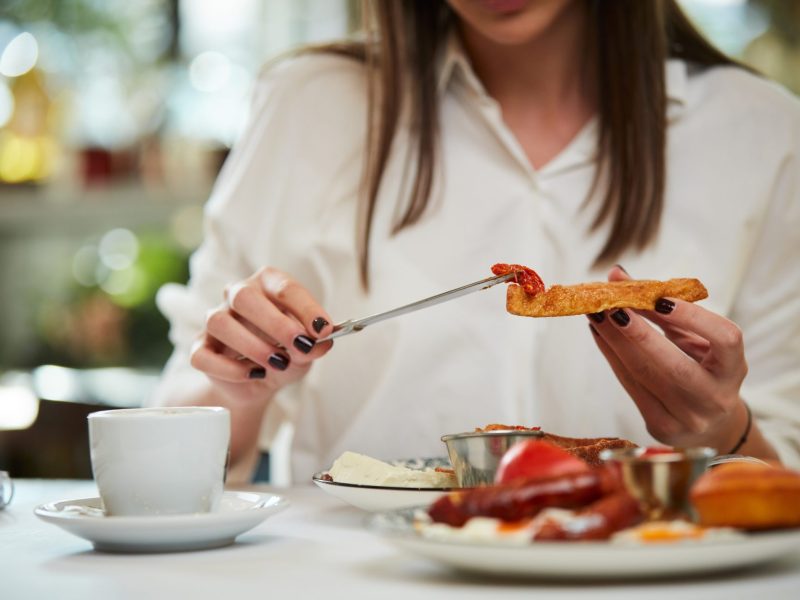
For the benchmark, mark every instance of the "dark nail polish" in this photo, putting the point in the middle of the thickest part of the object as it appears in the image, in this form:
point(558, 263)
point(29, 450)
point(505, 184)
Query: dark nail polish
point(621, 317)
point(594, 331)
point(318, 324)
point(597, 317)
point(304, 343)
point(664, 306)
point(257, 373)
point(621, 268)
point(278, 361)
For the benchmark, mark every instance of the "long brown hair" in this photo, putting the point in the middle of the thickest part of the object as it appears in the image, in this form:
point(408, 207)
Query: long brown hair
point(633, 39)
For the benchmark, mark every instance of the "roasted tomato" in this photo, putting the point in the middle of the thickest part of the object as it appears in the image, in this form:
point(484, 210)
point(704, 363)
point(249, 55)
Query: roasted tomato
point(535, 459)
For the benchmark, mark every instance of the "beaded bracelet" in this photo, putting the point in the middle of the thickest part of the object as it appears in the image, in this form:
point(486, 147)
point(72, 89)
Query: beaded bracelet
point(743, 439)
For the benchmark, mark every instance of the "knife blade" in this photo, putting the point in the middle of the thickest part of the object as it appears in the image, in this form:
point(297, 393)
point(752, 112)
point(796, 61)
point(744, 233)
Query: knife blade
point(356, 325)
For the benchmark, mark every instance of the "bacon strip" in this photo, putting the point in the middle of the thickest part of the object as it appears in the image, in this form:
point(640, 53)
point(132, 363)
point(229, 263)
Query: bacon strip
point(598, 521)
point(523, 498)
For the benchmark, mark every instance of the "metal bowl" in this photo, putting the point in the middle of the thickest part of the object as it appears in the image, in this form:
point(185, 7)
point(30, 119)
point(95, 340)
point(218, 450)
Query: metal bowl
point(476, 454)
point(660, 482)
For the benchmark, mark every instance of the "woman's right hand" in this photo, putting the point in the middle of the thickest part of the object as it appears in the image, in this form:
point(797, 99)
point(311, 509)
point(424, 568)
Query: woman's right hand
point(262, 337)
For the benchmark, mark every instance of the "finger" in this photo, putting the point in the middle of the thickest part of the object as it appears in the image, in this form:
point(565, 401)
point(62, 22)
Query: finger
point(222, 326)
point(724, 336)
point(657, 364)
point(203, 358)
point(618, 273)
point(251, 303)
point(690, 343)
point(293, 297)
point(655, 414)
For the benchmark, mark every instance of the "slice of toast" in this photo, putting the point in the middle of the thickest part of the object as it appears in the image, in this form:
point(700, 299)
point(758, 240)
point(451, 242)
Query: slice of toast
point(586, 298)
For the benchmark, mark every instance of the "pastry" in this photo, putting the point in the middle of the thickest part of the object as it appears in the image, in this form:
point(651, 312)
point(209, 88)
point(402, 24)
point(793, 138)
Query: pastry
point(747, 496)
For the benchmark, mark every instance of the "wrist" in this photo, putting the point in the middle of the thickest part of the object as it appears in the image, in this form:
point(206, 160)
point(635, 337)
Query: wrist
point(734, 431)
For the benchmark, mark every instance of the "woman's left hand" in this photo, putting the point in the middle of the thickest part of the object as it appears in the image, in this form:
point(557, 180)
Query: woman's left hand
point(686, 383)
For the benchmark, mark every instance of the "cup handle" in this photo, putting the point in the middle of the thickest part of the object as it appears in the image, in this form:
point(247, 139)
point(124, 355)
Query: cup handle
point(6, 483)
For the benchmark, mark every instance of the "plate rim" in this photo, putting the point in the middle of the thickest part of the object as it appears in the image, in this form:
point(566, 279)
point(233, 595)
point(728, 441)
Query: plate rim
point(317, 478)
point(520, 560)
point(412, 534)
point(42, 511)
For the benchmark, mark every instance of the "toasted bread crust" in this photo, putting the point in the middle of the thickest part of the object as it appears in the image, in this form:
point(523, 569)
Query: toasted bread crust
point(586, 298)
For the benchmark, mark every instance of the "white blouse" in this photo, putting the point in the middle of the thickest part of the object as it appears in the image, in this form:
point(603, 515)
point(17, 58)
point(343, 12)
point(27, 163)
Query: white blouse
point(287, 197)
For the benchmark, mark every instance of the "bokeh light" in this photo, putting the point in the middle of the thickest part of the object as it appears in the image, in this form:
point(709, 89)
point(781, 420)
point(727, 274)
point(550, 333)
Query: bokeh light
point(24, 158)
point(19, 56)
point(6, 103)
point(209, 71)
point(19, 407)
point(85, 264)
point(118, 249)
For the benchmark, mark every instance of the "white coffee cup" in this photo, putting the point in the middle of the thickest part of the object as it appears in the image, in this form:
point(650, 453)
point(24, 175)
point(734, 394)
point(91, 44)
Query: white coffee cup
point(159, 461)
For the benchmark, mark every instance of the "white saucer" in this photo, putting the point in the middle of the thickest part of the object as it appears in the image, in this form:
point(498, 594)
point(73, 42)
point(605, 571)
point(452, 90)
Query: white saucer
point(237, 513)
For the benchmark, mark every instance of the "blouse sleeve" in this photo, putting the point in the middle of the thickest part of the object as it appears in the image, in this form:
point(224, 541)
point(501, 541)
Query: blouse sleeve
point(245, 198)
point(768, 311)
point(301, 148)
point(221, 258)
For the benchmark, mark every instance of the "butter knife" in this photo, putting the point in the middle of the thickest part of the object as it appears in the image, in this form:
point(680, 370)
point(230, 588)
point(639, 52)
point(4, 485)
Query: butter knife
point(356, 325)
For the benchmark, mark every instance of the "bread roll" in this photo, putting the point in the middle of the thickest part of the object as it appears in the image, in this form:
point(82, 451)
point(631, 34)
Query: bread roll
point(748, 496)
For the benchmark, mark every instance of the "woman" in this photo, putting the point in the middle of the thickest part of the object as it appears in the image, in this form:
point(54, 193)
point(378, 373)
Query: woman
point(568, 135)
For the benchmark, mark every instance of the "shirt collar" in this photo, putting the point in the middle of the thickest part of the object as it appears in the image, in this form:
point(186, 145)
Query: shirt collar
point(454, 62)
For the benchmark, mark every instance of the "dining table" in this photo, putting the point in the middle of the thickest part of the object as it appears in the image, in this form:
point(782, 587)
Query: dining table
point(319, 547)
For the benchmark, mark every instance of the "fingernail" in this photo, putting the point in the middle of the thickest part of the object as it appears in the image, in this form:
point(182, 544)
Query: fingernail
point(664, 306)
point(257, 373)
point(318, 324)
point(594, 331)
point(597, 317)
point(621, 268)
point(621, 317)
point(304, 343)
point(278, 361)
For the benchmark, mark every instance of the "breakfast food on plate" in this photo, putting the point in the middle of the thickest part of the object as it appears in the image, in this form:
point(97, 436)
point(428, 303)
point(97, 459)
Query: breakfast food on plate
point(523, 498)
point(598, 521)
point(587, 449)
point(545, 492)
point(537, 459)
point(748, 496)
point(358, 469)
point(528, 298)
point(549, 525)
point(501, 427)
point(665, 532)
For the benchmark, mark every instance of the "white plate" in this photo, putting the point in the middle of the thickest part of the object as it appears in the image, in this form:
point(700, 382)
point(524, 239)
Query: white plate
point(588, 560)
point(237, 512)
point(376, 498)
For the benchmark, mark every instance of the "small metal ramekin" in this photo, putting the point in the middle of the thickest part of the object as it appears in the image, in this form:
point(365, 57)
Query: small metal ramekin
point(475, 455)
point(660, 481)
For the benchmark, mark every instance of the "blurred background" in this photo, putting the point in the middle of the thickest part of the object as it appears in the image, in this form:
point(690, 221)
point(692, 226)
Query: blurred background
point(115, 117)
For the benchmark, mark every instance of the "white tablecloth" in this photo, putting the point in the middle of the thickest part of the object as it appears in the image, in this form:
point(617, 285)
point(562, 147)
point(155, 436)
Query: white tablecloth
point(317, 548)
